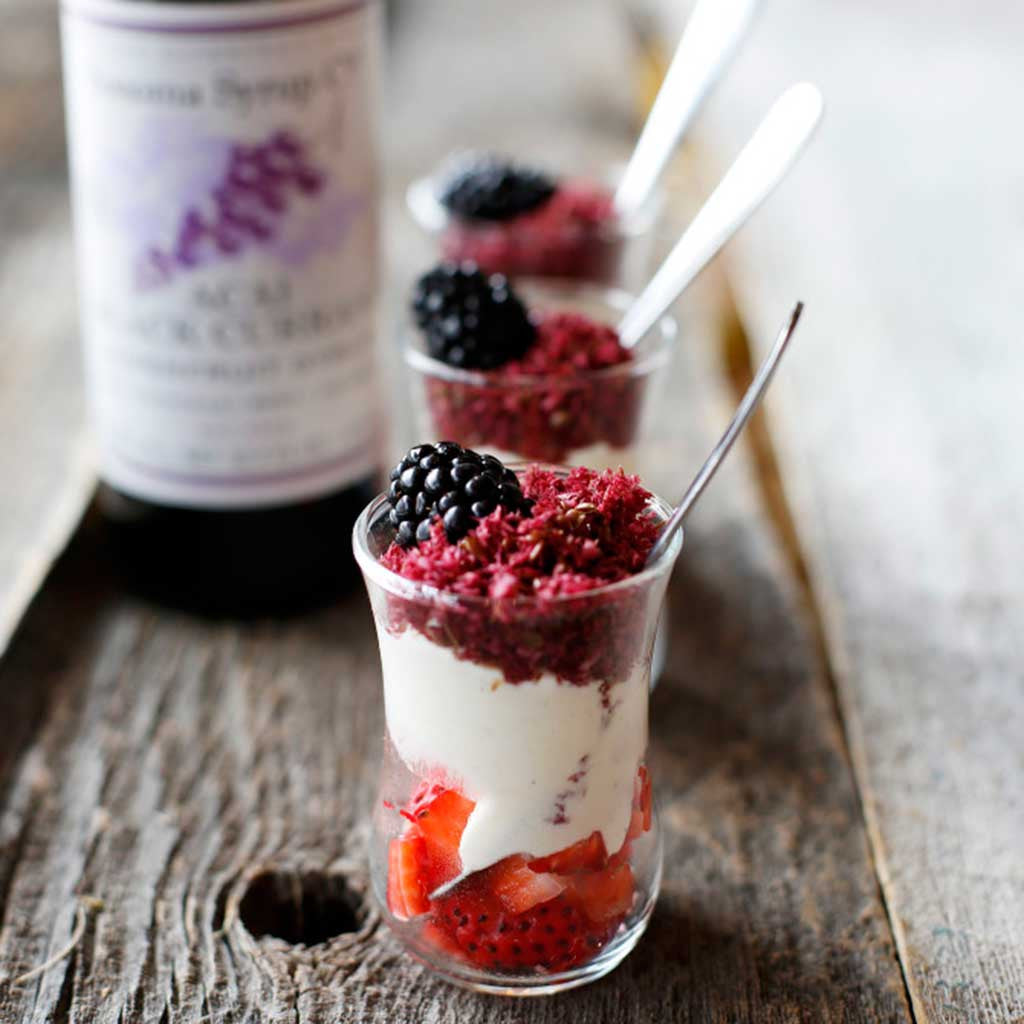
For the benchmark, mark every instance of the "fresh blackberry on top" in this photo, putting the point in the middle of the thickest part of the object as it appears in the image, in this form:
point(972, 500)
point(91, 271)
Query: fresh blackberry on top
point(449, 482)
point(487, 187)
point(471, 321)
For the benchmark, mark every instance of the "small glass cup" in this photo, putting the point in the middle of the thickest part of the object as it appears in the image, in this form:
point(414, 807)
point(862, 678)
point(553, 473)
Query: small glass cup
point(515, 845)
point(615, 252)
point(595, 418)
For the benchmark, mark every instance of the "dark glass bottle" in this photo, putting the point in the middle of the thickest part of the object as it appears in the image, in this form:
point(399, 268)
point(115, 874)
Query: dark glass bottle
point(225, 193)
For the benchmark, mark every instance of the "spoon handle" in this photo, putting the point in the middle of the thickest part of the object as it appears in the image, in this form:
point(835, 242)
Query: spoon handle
point(750, 402)
point(711, 37)
point(759, 168)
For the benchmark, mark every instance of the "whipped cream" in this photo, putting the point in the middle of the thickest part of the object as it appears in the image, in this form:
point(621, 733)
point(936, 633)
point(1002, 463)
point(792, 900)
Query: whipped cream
point(546, 763)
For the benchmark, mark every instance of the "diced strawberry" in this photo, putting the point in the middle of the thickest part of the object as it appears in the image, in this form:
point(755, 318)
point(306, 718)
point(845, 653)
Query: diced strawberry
point(441, 822)
point(622, 854)
point(586, 855)
point(407, 895)
point(605, 894)
point(554, 935)
point(518, 887)
point(437, 937)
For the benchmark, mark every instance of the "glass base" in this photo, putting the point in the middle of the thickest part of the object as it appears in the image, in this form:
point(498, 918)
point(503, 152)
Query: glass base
point(540, 983)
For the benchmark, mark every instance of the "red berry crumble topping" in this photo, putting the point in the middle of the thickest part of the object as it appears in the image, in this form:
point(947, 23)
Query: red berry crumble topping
point(568, 343)
point(584, 530)
point(580, 532)
point(571, 409)
point(566, 236)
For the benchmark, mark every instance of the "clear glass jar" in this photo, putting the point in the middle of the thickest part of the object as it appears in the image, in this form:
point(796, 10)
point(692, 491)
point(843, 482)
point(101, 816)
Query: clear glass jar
point(595, 418)
point(615, 251)
point(515, 845)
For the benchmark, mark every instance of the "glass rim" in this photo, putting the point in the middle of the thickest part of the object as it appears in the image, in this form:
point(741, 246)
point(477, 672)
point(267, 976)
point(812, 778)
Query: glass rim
point(400, 586)
point(667, 329)
point(422, 200)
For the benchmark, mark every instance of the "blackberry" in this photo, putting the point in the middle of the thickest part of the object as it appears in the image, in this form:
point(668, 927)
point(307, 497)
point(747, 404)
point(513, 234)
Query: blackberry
point(451, 482)
point(492, 188)
point(469, 320)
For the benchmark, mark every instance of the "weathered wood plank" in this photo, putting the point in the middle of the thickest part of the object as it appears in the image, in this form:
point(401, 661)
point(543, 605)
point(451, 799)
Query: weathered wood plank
point(898, 427)
point(155, 765)
point(45, 476)
point(173, 760)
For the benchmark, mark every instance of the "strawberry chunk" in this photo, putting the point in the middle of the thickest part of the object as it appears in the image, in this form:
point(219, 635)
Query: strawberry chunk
point(407, 895)
point(605, 894)
point(437, 937)
point(553, 936)
point(518, 887)
point(441, 822)
point(586, 855)
point(622, 854)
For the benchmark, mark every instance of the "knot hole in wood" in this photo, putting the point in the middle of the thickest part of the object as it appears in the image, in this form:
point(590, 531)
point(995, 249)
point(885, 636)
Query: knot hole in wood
point(302, 907)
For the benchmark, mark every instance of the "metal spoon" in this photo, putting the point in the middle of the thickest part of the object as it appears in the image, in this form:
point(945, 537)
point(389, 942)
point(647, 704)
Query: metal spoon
point(710, 39)
point(750, 402)
point(762, 164)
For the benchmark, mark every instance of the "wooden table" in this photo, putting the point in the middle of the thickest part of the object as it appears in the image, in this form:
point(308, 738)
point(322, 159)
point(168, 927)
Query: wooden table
point(838, 740)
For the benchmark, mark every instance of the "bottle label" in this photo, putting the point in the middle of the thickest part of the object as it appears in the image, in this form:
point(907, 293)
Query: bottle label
point(224, 191)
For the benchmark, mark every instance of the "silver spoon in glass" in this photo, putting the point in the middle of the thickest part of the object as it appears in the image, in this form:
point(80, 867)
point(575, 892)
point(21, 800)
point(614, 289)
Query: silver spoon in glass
point(709, 42)
point(751, 399)
point(762, 164)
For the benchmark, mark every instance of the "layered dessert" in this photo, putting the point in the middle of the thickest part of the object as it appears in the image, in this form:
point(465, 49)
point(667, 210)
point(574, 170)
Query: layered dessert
point(543, 383)
point(512, 219)
point(515, 620)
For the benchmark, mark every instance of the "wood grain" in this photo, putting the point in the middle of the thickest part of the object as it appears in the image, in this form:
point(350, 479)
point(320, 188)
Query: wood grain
point(156, 768)
point(44, 464)
point(898, 427)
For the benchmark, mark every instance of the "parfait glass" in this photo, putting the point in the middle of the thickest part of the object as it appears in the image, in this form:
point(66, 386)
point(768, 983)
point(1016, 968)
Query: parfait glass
point(613, 251)
point(515, 845)
point(596, 418)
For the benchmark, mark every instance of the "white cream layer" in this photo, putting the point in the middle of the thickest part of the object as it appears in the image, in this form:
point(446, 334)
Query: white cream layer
point(512, 748)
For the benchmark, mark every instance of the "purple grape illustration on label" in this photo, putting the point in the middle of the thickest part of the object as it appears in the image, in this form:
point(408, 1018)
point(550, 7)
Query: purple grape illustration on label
point(246, 207)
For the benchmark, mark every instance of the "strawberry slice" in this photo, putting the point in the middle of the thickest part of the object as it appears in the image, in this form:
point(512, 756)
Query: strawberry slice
point(436, 936)
point(605, 894)
point(441, 822)
point(622, 854)
point(518, 887)
point(407, 895)
point(554, 935)
point(586, 855)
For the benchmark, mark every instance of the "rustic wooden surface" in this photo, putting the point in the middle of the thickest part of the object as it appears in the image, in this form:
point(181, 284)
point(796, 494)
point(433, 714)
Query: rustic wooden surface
point(158, 766)
point(898, 436)
point(175, 794)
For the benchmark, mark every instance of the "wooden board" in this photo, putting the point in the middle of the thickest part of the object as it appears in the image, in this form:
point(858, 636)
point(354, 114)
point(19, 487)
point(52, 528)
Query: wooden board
point(155, 767)
point(898, 427)
point(45, 473)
